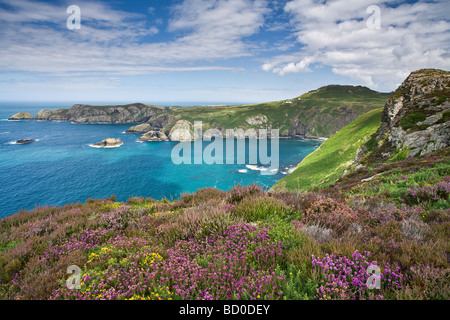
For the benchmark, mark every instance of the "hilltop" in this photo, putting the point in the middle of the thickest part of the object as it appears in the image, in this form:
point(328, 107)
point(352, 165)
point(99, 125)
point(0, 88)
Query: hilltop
point(318, 113)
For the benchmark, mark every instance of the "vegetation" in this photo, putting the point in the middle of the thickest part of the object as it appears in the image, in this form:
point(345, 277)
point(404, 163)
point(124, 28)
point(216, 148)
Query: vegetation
point(244, 243)
point(318, 109)
point(327, 164)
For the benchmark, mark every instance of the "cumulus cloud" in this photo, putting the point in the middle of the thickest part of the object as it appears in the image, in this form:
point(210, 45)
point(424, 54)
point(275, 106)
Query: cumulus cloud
point(35, 38)
point(335, 34)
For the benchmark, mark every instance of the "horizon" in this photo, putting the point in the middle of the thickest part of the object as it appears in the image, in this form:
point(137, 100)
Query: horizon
point(164, 103)
point(213, 52)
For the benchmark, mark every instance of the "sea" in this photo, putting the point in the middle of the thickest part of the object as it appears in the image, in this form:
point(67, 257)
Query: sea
point(62, 167)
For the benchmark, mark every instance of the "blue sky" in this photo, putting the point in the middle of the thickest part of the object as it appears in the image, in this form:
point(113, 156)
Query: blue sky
point(213, 51)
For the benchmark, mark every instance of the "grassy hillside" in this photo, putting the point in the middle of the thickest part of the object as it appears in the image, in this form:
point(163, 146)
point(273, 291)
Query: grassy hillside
point(327, 164)
point(321, 111)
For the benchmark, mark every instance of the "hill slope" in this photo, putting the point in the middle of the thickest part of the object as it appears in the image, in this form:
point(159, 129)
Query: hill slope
point(414, 121)
point(327, 163)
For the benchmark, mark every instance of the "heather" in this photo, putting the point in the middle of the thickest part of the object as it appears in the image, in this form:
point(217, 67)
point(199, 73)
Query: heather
point(244, 243)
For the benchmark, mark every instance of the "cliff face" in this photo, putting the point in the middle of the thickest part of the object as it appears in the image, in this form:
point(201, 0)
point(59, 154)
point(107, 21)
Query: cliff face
point(309, 124)
point(416, 119)
point(132, 113)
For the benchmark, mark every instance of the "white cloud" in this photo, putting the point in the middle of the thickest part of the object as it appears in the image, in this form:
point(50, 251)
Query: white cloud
point(335, 34)
point(34, 37)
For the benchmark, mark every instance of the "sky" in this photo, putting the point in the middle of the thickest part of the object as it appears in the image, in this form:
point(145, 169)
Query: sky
point(213, 51)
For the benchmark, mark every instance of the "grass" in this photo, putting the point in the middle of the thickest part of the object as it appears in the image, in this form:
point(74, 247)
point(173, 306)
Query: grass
point(327, 164)
point(318, 109)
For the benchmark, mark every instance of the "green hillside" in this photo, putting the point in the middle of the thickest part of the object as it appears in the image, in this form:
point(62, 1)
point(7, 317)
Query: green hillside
point(327, 164)
point(320, 112)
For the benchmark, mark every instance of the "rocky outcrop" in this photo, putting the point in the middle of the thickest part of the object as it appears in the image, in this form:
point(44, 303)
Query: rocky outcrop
point(108, 143)
point(132, 113)
point(183, 130)
point(152, 136)
point(25, 141)
point(141, 128)
point(307, 124)
point(416, 119)
point(22, 116)
point(256, 120)
point(161, 121)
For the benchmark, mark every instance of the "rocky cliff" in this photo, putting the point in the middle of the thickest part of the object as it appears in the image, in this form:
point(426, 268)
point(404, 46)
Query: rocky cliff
point(415, 120)
point(132, 113)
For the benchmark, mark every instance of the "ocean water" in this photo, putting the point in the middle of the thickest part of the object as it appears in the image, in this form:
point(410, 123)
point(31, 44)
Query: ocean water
point(62, 168)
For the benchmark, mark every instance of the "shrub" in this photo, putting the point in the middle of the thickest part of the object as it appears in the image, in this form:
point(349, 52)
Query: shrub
point(260, 208)
point(205, 220)
point(238, 192)
point(330, 214)
point(410, 120)
point(429, 193)
point(346, 278)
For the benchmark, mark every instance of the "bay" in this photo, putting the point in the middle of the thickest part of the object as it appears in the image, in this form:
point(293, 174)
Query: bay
point(61, 168)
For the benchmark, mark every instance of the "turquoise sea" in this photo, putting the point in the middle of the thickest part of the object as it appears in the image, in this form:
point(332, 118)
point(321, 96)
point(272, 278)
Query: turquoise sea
point(62, 168)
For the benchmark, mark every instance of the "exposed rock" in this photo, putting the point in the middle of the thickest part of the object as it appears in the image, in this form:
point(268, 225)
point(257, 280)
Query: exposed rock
point(183, 130)
point(142, 128)
point(161, 120)
point(257, 120)
point(413, 118)
point(108, 143)
point(154, 136)
point(25, 141)
point(22, 116)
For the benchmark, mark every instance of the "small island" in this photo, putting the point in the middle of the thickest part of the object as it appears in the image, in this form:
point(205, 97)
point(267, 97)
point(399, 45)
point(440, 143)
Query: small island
point(108, 143)
point(22, 116)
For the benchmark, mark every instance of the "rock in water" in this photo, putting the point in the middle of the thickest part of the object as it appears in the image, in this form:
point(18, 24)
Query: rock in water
point(25, 141)
point(22, 116)
point(154, 136)
point(108, 143)
point(142, 128)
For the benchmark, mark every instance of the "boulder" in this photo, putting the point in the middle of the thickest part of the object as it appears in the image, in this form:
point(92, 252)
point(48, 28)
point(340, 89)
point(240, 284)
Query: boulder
point(109, 143)
point(154, 136)
point(22, 116)
point(141, 128)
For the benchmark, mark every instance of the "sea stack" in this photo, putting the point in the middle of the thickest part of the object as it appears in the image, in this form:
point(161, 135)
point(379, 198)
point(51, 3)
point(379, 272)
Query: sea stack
point(154, 136)
point(108, 143)
point(22, 116)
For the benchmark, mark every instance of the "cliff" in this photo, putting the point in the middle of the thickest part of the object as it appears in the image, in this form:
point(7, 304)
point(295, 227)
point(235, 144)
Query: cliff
point(131, 113)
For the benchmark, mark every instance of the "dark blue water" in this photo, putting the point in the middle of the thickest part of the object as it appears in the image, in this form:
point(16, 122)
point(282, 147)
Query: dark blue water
point(62, 168)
